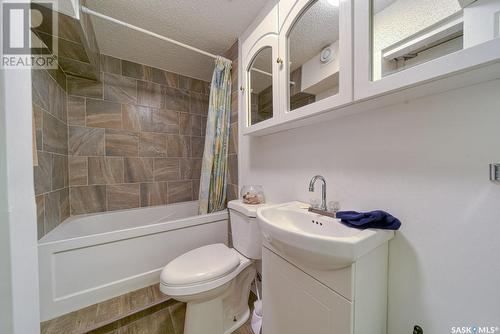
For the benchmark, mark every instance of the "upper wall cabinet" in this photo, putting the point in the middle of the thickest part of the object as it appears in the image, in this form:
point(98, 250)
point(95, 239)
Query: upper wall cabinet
point(315, 49)
point(400, 43)
point(298, 65)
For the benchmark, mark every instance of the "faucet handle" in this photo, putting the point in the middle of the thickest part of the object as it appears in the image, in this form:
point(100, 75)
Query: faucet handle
point(314, 203)
point(334, 206)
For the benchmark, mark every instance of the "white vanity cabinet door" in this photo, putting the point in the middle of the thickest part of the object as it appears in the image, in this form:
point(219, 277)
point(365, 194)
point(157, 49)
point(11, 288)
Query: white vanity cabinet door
point(290, 14)
point(296, 303)
point(480, 44)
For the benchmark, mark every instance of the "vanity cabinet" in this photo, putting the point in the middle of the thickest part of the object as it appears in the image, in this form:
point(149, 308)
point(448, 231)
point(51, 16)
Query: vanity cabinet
point(298, 299)
point(328, 58)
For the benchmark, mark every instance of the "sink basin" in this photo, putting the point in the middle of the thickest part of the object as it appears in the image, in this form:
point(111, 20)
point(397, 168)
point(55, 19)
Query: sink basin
point(316, 241)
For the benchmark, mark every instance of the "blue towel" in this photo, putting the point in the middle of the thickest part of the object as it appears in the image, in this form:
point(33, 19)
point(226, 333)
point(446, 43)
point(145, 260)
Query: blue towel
point(374, 219)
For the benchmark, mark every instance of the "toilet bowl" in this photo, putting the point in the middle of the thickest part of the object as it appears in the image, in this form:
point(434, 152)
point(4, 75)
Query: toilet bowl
point(215, 280)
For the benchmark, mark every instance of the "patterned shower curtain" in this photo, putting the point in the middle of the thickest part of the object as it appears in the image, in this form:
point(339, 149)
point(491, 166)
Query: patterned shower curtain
point(213, 182)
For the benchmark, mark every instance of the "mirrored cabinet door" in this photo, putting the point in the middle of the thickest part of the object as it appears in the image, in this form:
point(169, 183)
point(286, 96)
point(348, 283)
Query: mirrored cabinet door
point(313, 54)
point(261, 83)
point(315, 44)
point(401, 42)
point(260, 87)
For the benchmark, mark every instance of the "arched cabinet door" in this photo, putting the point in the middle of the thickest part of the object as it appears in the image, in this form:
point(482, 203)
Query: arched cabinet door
point(315, 46)
point(260, 84)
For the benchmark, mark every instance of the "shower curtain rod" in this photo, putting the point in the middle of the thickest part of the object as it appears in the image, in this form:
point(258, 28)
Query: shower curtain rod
point(147, 32)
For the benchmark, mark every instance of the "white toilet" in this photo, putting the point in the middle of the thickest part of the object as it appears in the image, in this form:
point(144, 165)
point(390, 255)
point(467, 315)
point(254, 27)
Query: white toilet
point(215, 280)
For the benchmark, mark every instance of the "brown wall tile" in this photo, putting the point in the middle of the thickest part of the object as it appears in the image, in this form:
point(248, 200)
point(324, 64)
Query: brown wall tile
point(78, 171)
point(120, 89)
point(166, 169)
point(123, 196)
point(199, 104)
point(191, 84)
point(122, 143)
point(52, 211)
point(59, 171)
point(197, 146)
point(111, 64)
point(159, 120)
point(175, 99)
point(149, 94)
point(196, 189)
point(76, 110)
point(103, 114)
point(153, 194)
point(88, 199)
point(55, 135)
point(132, 115)
point(86, 141)
point(105, 170)
point(84, 87)
point(38, 119)
point(233, 168)
point(152, 144)
point(40, 215)
point(133, 70)
point(178, 146)
point(43, 173)
point(138, 170)
point(190, 168)
point(179, 191)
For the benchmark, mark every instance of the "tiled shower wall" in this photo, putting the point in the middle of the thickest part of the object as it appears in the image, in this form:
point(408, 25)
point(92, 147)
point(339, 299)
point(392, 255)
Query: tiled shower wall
point(51, 133)
point(232, 192)
point(135, 138)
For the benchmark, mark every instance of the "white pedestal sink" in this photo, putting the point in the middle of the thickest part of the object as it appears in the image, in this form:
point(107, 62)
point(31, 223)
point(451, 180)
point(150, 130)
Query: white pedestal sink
point(314, 240)
point(320, 276)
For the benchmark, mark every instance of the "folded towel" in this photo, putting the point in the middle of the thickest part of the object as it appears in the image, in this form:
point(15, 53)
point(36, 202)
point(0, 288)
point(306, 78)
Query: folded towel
point(374, 219)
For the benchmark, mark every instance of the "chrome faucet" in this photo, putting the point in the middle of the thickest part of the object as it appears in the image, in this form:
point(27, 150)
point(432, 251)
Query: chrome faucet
point(323, 190)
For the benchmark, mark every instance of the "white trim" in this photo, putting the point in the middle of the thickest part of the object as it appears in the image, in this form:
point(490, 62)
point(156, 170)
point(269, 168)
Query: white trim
point(18, 224)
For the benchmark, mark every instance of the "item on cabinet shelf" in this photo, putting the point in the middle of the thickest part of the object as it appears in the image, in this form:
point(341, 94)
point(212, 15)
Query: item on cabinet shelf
point(252, 194)
point(373, 219)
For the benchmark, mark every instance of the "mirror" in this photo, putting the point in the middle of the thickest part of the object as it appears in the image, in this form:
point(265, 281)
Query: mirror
point(313, 53)
point(260, 93)
point(407, 33)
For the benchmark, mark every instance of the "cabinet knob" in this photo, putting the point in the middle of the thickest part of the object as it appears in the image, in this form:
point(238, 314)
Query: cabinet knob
point(242, 88)
point(279, 60)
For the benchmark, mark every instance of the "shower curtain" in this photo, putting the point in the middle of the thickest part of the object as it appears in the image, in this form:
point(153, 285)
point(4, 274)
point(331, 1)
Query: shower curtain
point(213, 182)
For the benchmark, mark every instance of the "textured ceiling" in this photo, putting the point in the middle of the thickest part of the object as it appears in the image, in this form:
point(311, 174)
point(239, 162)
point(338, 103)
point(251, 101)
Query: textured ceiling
point(212, 26)
point(317, 27)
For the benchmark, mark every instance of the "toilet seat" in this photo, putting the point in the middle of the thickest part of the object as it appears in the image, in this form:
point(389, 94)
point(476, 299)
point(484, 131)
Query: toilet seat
point(201, 270)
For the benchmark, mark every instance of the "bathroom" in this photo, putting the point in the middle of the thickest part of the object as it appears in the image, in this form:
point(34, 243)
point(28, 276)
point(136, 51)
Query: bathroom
point(266, 166)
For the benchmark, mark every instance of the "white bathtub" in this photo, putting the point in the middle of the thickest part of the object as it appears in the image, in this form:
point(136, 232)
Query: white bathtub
point(91, 258)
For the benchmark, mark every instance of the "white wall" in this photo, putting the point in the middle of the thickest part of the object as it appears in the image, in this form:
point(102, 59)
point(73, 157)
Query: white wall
point(426, 162)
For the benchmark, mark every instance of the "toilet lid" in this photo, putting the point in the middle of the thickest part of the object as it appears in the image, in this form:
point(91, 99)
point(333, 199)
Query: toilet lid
point(200, 265)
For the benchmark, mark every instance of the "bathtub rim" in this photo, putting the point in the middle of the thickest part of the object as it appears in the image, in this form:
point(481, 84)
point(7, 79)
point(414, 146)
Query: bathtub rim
point(131, 232)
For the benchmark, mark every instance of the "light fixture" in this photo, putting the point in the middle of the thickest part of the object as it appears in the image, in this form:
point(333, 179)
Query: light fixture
point(334, 3)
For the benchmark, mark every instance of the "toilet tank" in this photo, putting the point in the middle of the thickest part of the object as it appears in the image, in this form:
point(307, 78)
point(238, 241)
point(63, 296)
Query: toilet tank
point(245, 230)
